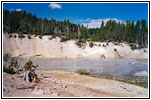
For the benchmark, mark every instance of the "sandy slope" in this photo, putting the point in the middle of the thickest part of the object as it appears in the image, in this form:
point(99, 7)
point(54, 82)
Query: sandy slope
point(53, 48)
point(68, 84)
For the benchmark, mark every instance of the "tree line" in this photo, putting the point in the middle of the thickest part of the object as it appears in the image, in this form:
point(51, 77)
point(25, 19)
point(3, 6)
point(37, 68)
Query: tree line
point(27, 23)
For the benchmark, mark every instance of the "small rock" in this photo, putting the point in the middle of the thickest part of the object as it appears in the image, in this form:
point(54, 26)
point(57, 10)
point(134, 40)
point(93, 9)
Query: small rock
point(54, 88)
point(11, 85)
point(49, 89)
point(12, 78)
point(21, 76)
point(129, 90)
point(55, 82)
point(8, 91)
point(46, 77)
point(64, 86)
point(4, 89)
point(124, 88)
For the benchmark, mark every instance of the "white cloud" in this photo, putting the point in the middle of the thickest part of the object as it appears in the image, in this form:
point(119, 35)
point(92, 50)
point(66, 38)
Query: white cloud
point(55, 6)
point(96, 23)
point(12, 9)
point(82, 20)
point(88, 19)
point(18, 9)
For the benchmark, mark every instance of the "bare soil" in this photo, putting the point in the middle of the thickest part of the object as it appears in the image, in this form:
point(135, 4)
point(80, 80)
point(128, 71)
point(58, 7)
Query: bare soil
point(68, 84)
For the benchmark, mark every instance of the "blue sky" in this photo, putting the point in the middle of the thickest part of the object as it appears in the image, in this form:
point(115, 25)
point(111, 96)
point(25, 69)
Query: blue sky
point(84, 13)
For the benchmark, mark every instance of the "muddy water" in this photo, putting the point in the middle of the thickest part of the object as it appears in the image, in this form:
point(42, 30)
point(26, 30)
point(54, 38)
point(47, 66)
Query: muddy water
point(120, 68)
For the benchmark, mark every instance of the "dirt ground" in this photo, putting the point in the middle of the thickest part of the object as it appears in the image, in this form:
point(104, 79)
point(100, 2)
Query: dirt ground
point(68, 84)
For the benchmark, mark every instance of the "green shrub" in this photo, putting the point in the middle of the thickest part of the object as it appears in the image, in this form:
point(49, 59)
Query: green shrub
point(8, 69)
point(10, 36)
point(115, 49)
point(63, 40)
point(35, 35)
point(53, 36)
point(145, 50)
point(82, 72)
point(80, 40)
point(104, 45)
point(29, 37)
point(12, 64)
point(50, 38)
point(21, 36)
point(79, 44)
point(102, 40)
point(14, 36)
point(133, 46)
point(107, 43)
point(116, 43)
point(95, 37)
point(91, 45)
point(40, 37)
point(29, 65)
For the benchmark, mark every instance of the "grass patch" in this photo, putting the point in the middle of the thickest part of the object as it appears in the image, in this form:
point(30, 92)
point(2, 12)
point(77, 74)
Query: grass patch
point(8, 69)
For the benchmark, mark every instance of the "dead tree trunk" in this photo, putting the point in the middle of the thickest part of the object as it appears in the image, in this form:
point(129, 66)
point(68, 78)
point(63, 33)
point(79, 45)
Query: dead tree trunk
point(27, 76)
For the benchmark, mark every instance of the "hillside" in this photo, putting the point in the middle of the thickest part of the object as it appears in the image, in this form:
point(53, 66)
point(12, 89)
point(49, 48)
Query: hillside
point(48, 47)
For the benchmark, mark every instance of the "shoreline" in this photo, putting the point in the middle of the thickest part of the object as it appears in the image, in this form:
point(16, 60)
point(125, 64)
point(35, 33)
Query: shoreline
point(84, 80)
point(70, 84)
point(132, 80)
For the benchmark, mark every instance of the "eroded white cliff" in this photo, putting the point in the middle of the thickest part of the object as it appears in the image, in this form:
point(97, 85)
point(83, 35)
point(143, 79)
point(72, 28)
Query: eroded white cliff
point(53, 48)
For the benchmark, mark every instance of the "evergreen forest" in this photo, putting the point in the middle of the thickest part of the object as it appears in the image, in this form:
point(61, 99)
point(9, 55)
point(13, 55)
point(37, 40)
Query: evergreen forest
point(26, 23)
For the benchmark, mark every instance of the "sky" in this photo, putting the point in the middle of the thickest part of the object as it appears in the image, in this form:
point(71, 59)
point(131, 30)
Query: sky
point(90, 14)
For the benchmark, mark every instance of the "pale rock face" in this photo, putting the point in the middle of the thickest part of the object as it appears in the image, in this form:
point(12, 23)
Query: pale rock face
point(47, 48)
